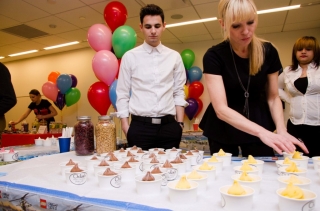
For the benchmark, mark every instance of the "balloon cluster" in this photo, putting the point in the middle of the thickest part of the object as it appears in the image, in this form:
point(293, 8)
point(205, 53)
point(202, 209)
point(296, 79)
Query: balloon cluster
point(193, 88)
point(110, 44)
point(61, 89)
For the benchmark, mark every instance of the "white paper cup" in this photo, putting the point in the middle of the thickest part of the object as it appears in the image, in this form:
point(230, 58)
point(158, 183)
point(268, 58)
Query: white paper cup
point(305, 182)
point(303, 162)
point(173, 154)
point(255, 184)
point(128, 174)
point(316, 162)
point(9, 157)
point(148, 187)
point(147, 166)
point(171, 173)
point(210, 173)
point(109, 182)
point(76, 178)
point(90, 163)
point(201, 182)
point(156, 151)
point(98, 168)
point(193, 159)
point(180, 166)
point(47, 143)
point(226, 159)
point(199, 155)
point(164, 181)
point(289, 155)
point(188, 163)
point(236, 203)
point(64, 167)
point(38, 142)
point(237, 170)
point(280, 163)
point(182, 196)
point(289, 204)
point(282, 172)
point(259, 165)
point(218, 165)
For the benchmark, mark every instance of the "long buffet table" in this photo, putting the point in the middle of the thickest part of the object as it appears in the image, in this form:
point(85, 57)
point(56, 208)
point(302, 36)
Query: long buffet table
point(16, 139)
point(38, 183)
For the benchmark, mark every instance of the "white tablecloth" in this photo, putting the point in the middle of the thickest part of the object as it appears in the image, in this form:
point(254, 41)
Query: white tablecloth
point(45, 172)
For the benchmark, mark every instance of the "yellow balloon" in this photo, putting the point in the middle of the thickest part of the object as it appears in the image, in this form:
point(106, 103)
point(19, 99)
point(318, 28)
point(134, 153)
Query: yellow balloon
point(186, 91)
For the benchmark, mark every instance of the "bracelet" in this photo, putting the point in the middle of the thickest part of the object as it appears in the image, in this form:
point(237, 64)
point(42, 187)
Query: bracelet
point(182, 124)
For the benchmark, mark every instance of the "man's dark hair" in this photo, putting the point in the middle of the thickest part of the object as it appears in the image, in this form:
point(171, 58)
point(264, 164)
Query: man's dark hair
point(151, 9)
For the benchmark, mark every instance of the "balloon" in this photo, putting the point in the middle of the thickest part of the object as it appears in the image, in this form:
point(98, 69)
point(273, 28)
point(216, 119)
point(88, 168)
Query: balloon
point(186, 91)
point(98, 96)
point(188, 57)
point(64, 83)
point(187, 77)
point(113, 93)
point(53, 76)
point(60, 101)
point(72, 96)
point(105, 66)
point(194, 74)
point(124, 38)
point(192, 108)
point(115, 14)
point(99, 37)
point(200, 106)
point(74, 80)
point(195, 89)
point(50, 90)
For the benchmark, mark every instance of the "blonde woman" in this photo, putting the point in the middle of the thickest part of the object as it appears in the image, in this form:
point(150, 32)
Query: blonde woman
point(242, 79)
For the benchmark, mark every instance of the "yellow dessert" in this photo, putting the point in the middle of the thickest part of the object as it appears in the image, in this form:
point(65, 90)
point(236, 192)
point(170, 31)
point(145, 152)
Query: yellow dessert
point(246, 167)
point(287, 161)
point(236, 189)
point(251, 159)
point(294, 180)
point(194, 175)
point(205, 166)
point(183, 183)
point(213, 159)
point(245, 177)
point(296, 155)
point(292, 168)
point(221, 153)
point(292, 191)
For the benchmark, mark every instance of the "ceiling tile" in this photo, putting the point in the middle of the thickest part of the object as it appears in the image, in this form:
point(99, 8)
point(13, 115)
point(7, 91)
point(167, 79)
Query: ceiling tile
point(196, 38)
point(189, 14)
point(28, 45)
point(268, 30)
point(301, 25)
point(263, 4)
point(271, 19)
point(304, 14)
point(58, 7)
point(50, 40)
point(189, 30)
point(168, 4)
point(197, 2)
point(6, 50)
point(7, 22)
point(207, 10)
point(6, 39)
point(134, 22)
point(75, 35)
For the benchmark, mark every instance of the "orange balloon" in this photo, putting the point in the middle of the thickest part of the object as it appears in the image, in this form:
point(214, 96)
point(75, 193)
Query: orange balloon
point(53, 76)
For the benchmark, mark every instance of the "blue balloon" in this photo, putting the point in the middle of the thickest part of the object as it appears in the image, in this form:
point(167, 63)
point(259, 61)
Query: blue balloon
point(64, 83)
point(113, 93)
point(194, 74)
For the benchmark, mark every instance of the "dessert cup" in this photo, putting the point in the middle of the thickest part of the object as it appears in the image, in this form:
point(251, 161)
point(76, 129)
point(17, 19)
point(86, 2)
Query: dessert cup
point(289, 155)
point(316, 162)
point(280, 163)
point(306, 204)
point(109, 182)
point(210, 173)
point(38, 142)
point(259, 164)
point(226, 158)
point(141, 155)
point(193, 159)
point(199, 155)
point(303, 162)
point(304, 185)
point(183, 196)
point(9, 156)
point(202, 183)
point(255, 184)
point(148, 187)
point(76, 178)
point(156, 151)
point(98, 168)
point(236, 202)
point(127, 174)
point(282, 172)
point(64, 167)
point(254, 170)
point(218, 165)
point(180, 166)
point(188, 163)
point(170, 173)
point(164, 181)
point(47, 142)
point(147, 166)
point(90, 163)
point(173, 154)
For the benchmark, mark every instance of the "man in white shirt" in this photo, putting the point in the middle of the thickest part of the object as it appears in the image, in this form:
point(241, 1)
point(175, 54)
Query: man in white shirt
point(155, 76)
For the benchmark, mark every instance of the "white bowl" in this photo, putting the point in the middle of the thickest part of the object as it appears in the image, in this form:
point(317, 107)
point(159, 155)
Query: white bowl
point(259, 164)
point(308, 203)
point(182, 196)
point(316, 162)
point(218, 165)
point(201, 182)
point(226, 158)
point(282, 172)
point(303, 162)
point(237, 170)
point(305, 182)
point(109, 182)
point(38, 142)
point(148, 187)
point(255, 184)
point(236, 202)
point(210, 173)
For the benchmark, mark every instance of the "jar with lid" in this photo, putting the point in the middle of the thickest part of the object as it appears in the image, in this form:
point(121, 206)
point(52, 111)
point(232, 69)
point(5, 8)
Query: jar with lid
point(84, 136)
point(105, 131)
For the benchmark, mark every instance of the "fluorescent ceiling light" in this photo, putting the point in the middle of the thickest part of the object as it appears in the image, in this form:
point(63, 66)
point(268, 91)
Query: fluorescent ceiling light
point(191, 22)
point(1, 57)
point(61, 45)
point(279, 9)
point(22, 53)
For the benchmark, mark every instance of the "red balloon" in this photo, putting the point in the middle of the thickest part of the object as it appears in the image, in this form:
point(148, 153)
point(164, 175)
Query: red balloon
point(119, 62)
point(98, 96)
point(115, 14)
point(200, 106)
point(195, 89)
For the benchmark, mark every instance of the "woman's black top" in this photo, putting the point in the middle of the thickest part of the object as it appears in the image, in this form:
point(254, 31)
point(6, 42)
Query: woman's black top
point(42, 109)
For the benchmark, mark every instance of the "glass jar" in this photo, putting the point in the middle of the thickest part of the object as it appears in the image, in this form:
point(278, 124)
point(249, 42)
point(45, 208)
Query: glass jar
point(105, 131)
point(84, 136)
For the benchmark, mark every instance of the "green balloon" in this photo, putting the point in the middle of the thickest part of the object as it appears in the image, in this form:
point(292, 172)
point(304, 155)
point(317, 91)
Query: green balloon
point(72, 96)
point(124, 38)
point(188, 57)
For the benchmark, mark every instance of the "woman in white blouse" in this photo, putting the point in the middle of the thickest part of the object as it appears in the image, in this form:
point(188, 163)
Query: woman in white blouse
point(299, 85)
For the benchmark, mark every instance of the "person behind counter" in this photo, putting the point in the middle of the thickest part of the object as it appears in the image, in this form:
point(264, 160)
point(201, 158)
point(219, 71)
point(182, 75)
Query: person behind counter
point(7, 95)
point(42, 108)
point(302, 80)
point(242, 80)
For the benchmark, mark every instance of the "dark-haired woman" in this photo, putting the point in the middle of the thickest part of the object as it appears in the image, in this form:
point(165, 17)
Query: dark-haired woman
point(302, 81)
point(42, 108)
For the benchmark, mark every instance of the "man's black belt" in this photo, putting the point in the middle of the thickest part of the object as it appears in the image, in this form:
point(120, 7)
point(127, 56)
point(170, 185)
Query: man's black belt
point(154, 120)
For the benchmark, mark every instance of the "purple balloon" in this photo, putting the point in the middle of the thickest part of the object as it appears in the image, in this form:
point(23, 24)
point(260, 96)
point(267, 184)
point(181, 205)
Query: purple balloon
point(192, 108)
point(60, 101)
point(74, 80)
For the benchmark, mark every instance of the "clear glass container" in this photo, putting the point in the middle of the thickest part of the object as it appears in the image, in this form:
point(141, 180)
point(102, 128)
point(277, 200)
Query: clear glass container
point(105, 131)
point(84, 136)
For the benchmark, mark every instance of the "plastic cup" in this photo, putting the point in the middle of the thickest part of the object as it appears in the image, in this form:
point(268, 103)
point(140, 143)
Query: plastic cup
point(195, 126)
point(64, 144)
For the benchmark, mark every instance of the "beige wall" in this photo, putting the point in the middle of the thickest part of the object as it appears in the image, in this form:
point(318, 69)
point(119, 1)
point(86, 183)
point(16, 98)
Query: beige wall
point(33, 73)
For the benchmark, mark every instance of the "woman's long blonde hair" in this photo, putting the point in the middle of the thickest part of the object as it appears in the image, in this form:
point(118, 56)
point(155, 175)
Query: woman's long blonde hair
point(231, 11)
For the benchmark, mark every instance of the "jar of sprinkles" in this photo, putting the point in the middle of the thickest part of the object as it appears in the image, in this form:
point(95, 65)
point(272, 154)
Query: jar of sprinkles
point(84, 136)
point(105, 131)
